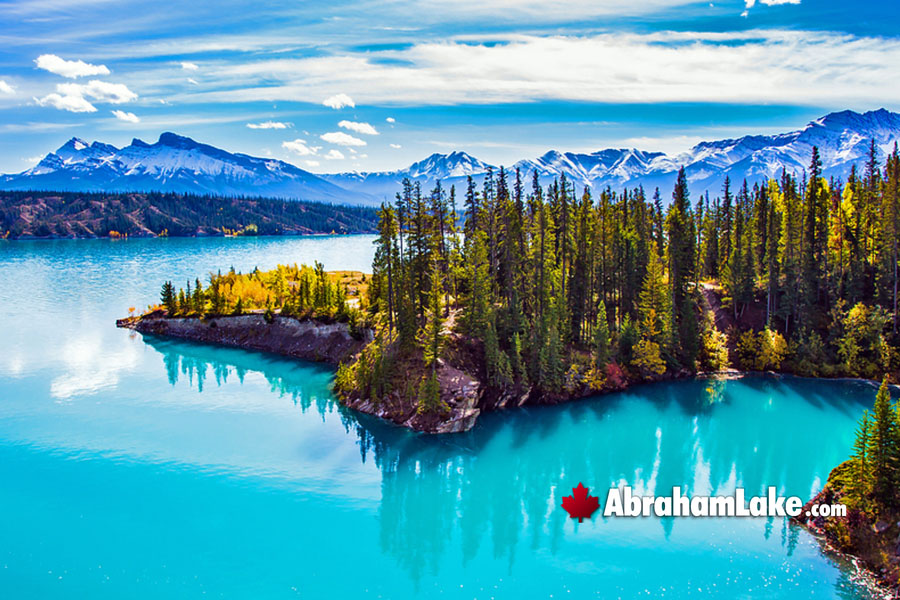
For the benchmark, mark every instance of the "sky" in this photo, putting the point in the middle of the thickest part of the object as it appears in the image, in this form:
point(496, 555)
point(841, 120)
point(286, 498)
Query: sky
point(378, 84)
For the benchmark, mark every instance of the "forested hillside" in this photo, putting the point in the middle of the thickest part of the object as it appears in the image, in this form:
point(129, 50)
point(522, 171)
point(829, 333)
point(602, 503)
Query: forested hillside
point(86, 215)
point(565, 291)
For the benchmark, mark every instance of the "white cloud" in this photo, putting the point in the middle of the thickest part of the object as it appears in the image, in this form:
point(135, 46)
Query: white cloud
point(339, 101)
point(269, 125)
point(391, 120)
point(311, 163)
point(69, 68)
point(299, 147)
point(334, 155)
point(751, 3)
point(396, 146)
point(101, 91)
point(341, 139)
point(128, 117)
point(5, 88)
point(193, 81)
point(75, 104)
point(358, 127)
point(752, 66)
point(189, 66)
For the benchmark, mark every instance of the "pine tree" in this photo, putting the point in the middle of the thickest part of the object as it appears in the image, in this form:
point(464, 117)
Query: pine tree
point(168, 298)
point(812, 242)
point(860, 484)
point(479, 284)
point(882, 450)
point(433, 334)
point(385, 264)
point(198, 300)
point(429, 395)
point(725, 219)
point(790, 251)
point(682, 248)
point(773, 232)
point(551, 355)
point(653, 306)
point(183, 303)
point(496, 361)
point(601, 337)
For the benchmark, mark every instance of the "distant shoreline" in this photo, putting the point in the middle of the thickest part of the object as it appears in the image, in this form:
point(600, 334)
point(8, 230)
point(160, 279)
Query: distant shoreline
point(74, 215)
point(160, 237)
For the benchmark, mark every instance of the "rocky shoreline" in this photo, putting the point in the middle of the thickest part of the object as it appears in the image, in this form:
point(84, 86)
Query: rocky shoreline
point(872, 546)
point(306, 339)
point(462, 386)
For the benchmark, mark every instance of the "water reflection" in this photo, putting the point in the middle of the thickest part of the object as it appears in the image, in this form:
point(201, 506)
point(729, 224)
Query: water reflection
point(495, 490)
point(304, 384)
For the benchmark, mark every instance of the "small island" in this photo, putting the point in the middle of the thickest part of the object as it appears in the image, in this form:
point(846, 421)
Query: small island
point(540, 296)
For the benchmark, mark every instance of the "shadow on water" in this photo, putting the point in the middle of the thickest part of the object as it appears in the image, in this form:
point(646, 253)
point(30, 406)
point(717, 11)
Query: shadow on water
point(497, 488)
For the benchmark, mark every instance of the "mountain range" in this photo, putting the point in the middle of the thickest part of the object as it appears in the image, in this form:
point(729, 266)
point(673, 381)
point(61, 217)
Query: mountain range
point(179, 164)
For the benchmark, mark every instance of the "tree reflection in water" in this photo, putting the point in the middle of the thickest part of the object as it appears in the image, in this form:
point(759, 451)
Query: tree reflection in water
point(497, 488)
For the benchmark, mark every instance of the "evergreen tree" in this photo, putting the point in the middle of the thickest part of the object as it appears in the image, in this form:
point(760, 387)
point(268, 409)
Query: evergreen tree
point(198, 300)
point(433, 334)
point(601, 337)
point(882, 450)
point(725, 220)
point(496, 362)
point(168, 298)
point(654, 307)
point(385, 265)
point(860, 484)
point(681, 237)
point(812, 252)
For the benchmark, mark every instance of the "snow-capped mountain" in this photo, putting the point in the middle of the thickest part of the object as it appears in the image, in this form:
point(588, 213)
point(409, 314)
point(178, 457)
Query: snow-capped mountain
point(173, 164)
point(842, 137)
point(843, 140)
point(613, 166)
point(450, 169)
point(180, 164)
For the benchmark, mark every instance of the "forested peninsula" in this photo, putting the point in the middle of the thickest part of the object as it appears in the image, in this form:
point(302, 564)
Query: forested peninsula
point(26, 215)
point(868, 484)
point(539, 295)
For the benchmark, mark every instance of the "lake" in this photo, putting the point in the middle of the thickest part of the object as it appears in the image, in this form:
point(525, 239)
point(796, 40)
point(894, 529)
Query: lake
point(137, 467)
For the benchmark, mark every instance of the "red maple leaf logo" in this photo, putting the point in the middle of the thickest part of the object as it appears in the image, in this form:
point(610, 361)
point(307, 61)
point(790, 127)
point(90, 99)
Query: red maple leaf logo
point(579, 505)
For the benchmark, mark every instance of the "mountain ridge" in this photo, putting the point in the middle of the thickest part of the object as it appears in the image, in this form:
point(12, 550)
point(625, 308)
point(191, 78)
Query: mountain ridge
point(177, 163)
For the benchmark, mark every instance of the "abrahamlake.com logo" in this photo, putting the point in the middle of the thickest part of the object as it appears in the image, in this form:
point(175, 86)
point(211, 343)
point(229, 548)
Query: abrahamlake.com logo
point(621, 501)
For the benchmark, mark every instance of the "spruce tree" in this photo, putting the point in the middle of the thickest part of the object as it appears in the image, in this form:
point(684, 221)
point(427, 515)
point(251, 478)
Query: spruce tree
point(168, 298)
point(860, 484)
point(433, 335)
point(882, 450)
point(601, 337)
point(682, 248)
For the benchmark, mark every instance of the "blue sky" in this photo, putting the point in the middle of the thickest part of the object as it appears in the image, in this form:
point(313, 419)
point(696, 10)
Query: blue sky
point(378, 84)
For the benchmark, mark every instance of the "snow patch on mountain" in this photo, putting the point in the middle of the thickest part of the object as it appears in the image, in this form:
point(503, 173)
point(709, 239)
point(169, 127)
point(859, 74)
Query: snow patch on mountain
point(180, 164)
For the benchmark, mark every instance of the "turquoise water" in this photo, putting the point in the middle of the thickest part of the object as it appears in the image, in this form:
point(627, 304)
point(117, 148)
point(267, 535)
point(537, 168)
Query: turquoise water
point(138, 467)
